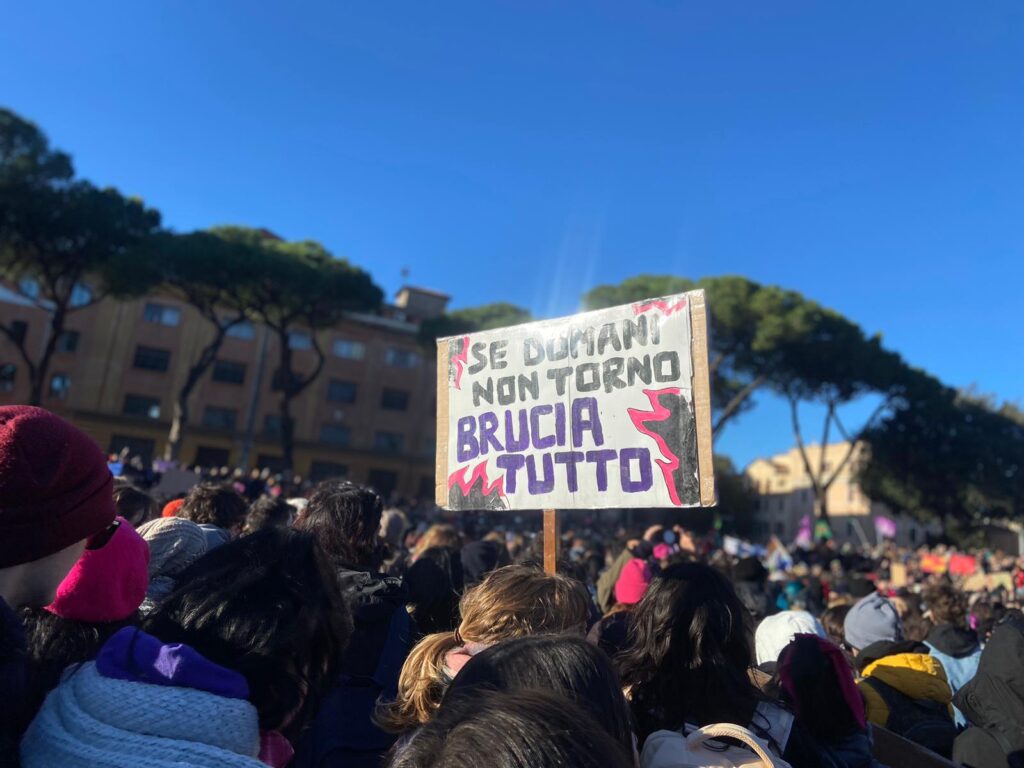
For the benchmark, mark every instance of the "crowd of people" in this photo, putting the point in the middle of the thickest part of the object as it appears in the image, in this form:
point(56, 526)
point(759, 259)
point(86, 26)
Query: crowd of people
point(256, 623)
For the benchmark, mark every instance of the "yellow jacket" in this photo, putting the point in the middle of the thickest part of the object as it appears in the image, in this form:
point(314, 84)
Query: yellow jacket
point(916, 675)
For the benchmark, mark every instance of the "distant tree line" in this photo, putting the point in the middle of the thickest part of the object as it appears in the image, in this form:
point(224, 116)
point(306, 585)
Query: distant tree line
point(66, 244)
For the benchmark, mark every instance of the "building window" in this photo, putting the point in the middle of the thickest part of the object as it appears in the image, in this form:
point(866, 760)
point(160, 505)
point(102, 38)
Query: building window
point(780, 528)
point(389, 442)
point(278, 379)
point(19, 330)
point(327, 470)
point(429, 446)
point(140, 405)
point(242, 330)
point(272, 425)
point(161, 314)
point(208, 456)
point(426, 490)
point(300, 340)
point(335, 434)
point(60, 385)
point(67, 341)
point(394, 399)
point(229, 372)
point(215, 417)
point(80, 295)
point(339, 391)
point(913, 534)
point(133, 446)
point(401, 358)
point(152, 359)
point(8, 375)
point(347, 349)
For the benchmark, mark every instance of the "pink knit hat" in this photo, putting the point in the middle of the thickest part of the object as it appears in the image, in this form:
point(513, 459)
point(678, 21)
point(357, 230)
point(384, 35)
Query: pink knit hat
point(633, 582)
point(107, 583)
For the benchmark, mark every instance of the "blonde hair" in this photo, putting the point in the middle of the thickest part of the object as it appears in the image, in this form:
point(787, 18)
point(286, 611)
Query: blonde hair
point(510, 602)
point(438, 535)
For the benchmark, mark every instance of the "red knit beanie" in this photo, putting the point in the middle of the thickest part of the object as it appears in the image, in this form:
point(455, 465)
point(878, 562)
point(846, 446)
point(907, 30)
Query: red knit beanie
point(108, 583)
point(633, 582)
point(171, 508)
point(55, 487)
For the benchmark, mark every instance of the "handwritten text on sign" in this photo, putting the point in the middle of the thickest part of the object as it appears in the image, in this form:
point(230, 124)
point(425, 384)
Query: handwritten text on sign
point(589, 411)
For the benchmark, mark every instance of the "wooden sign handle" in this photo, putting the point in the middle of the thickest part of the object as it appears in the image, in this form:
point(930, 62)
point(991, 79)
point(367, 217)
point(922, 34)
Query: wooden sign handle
point(552, 538)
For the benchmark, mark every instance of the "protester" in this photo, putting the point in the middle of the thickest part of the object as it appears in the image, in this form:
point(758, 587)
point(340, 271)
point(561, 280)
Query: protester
point(345, 518)
point(134, 505)
point(816, 681)
point(393, 524)
point(776, 632)
point(439, 535)
point(267, 512)
point(480, 558)
point(174, 544)
point(100, 595)
point(436, 583)
point(55, 493)
point(511, 602)
point(751, 578)
point(610, 633)
point(832, 620)
point(520, 729)
point(950, 640)
point(563, 664)
point(229, 667)
point(993, 703)
point(635, 548)
point(218, 509)
point(904, 688)
point(690, 658)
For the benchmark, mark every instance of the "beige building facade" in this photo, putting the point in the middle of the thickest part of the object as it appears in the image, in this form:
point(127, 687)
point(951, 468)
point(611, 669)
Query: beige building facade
point(368, 416)
point(784, 496)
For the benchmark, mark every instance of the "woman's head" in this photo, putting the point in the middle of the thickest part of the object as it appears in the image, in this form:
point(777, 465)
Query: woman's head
point(135, 506)
point(345, 519)
point(438, 535)
point(435, 584)
point(521, 729)
point(511, 602)
point(832, 620)
point(268, 512)
point(690, 652)
point(267, 606)
point(564, 664)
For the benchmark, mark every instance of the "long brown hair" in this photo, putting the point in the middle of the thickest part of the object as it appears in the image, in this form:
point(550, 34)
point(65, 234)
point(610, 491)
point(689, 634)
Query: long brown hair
point(510, 602)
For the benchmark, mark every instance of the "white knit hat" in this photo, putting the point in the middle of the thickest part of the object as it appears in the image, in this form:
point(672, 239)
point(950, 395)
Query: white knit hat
point(776, 632)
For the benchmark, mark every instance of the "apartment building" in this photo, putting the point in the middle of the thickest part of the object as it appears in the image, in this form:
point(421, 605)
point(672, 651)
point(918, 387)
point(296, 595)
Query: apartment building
point(369, 416)
point(785, 496)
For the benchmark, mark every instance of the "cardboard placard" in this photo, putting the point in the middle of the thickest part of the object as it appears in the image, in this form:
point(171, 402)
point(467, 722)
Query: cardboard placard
point(933, 563)
point(989, 581)
point(605, 409)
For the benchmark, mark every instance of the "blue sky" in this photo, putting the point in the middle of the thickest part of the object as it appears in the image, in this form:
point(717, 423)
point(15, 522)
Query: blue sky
point(866, 154)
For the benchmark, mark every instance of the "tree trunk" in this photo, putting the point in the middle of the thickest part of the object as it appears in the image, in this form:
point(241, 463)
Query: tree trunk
point(288, 391)
point(42, 367)
point(179, 421)
point(172, 451)
point(821, 506)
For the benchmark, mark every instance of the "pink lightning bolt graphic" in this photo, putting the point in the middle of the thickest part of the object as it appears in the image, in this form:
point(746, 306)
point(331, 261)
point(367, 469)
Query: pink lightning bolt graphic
point(659, 412)
point(661, 305)
point(459, 361)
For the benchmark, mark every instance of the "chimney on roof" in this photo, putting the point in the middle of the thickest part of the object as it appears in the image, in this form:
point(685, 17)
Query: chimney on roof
point(421, 303)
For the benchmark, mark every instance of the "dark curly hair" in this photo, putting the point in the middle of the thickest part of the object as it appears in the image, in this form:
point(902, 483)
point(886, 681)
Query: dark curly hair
point(269, 607)
point(214, 504)
point(690, 652)
point(345, 519)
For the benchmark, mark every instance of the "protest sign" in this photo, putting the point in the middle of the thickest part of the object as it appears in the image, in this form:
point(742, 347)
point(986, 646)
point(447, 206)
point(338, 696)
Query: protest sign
point(962, 565)
point(989, 581)
point(933, 563)
point(605, 409)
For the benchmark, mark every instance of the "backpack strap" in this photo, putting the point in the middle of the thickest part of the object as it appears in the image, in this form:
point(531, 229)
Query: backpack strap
point(730, 731)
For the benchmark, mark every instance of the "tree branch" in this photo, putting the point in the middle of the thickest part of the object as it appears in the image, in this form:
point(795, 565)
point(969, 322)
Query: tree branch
point(795, 418)
point(856, 440)
point(736, 401)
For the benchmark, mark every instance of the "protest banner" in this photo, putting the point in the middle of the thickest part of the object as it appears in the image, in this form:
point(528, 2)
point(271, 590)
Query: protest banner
point(989, 581)
point(962, 565)
point(933, 563)
point(604, 409)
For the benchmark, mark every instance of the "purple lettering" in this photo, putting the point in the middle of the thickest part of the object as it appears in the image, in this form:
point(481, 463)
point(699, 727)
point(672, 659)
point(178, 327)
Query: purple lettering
point(592, 422)
point(540, 485)
point(601, 459)
point(511, 463)
point(570, 459)
point(488, 426)
point(540, 443)
point(467, 446)
point(643, 457)
point(512, 443)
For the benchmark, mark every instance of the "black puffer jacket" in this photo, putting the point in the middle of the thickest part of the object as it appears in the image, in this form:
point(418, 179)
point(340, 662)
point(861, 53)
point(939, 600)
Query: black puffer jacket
point(343, 735)
point(993, 703)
